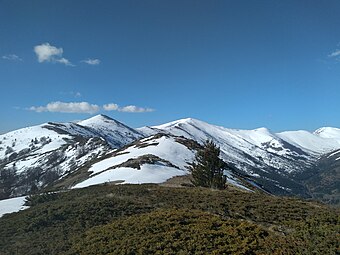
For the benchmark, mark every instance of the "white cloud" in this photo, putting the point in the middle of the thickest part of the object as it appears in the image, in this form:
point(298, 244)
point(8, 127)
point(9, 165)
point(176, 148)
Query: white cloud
point(73, 107)
point(48, 53)
point(335, 53)
point(91, 61)
point(133, 108)
point(110, 107)
point(128, 108)
point(64, 61)
point(12, 57)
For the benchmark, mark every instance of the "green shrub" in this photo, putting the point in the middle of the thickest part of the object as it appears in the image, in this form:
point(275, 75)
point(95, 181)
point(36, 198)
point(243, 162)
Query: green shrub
point(144, 218)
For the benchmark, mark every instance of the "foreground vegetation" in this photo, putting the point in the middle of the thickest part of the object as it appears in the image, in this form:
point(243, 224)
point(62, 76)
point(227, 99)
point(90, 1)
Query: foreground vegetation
point(150, 219)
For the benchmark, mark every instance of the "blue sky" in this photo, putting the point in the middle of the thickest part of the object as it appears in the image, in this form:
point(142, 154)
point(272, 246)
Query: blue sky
point(239, 64)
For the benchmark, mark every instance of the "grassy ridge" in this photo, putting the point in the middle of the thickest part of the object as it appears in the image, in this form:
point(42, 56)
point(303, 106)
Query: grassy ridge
point(146, 219)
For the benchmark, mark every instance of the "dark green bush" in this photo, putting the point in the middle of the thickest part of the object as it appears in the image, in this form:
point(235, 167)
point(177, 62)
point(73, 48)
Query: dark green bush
point(144, 218)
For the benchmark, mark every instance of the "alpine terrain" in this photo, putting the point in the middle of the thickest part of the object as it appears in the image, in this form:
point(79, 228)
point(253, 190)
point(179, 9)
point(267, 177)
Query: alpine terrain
point(55, 156)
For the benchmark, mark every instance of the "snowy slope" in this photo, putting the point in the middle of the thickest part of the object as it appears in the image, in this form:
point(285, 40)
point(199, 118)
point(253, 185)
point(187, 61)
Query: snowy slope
point(311, 142)
point(34, 157)
point(151, 160)
point(254, 148)
point(273, 159)
point(27, 146)
point(285, 144)
point(38, 155)
point(25, 138)
point(114, 132)
point(173, 160)
point(12, 205)
point(31, 147)
point(328, 133)
point(164, 147)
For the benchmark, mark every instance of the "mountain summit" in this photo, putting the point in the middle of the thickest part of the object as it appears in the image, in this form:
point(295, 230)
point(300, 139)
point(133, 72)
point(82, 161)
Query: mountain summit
point(114, 132)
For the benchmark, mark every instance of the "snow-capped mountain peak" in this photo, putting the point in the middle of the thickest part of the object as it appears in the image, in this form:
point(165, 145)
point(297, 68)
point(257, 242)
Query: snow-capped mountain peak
point(177, 123)
point(100, 118)
point(39, 155)
point(310, 142)
point(328, 132)
point(102, 121)
point(115, 133)
point(258, 152)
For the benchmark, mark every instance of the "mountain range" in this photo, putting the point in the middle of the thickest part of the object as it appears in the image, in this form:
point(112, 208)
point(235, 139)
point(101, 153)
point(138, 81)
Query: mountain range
point(101, 150)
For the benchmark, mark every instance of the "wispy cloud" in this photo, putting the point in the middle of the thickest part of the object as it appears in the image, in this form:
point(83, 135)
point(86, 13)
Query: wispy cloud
point(12, 57)
point(133, 108)
point(335, 53)
point(48, 53)
point(64, 61)
point(73, 107)
point(110, 107)
point(90, 61)
point(128, 108)
point(75, 94)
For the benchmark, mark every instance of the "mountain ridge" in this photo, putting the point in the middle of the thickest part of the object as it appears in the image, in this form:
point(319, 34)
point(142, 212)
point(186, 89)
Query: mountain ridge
point(318, 132)
point(275, 161)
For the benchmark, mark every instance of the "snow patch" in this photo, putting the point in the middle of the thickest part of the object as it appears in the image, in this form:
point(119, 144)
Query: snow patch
point(12, 205)
point(147, 174)
point(166, 148)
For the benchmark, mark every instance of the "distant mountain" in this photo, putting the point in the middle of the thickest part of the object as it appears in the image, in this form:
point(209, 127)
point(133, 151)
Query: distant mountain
point(34, 157)
point(316, 143)
point(154, 159)
point(272, 159)
point(101, 149)
point(323, 180)
point(114, 132)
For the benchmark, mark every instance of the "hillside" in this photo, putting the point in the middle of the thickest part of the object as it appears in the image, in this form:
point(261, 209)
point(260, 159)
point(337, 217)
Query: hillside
point(114, 132)
point(323, 181)
point(34, 157)
point(154, 159)
point(271, 159)
point(150, 219)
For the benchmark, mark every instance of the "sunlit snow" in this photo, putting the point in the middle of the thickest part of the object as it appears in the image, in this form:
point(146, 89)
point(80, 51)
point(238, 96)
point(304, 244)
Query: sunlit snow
point(12, 205)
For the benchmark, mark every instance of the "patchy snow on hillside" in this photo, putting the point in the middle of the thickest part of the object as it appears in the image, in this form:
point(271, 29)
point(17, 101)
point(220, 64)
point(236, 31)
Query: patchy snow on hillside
point(233, 181)
point(164, 147)
point(246, 149)
point(148, 173)
point(35, 138)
